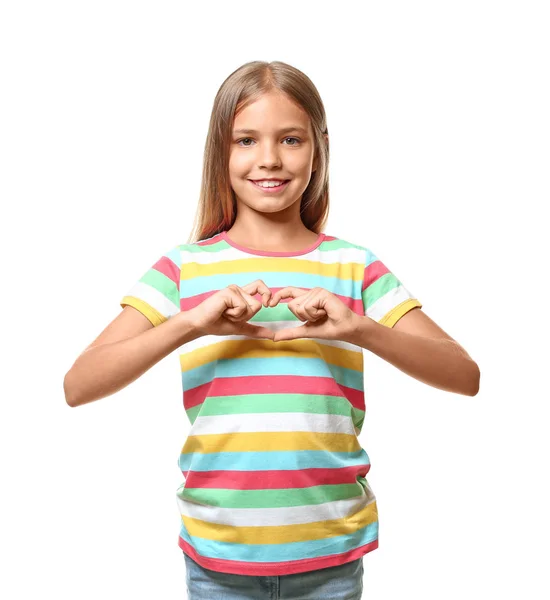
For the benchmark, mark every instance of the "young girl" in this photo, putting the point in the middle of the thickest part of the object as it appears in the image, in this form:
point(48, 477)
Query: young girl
point(270, 317)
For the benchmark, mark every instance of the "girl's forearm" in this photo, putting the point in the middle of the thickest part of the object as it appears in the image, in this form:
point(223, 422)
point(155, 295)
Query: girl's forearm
point(107, 368)
point(439, 362)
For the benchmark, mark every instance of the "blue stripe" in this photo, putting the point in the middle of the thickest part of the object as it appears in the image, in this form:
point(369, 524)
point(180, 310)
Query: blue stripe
point(340, 287)
point(292, 460)
point(174, 255)
point(282, 365)
point(370, 257)
point(281, 553)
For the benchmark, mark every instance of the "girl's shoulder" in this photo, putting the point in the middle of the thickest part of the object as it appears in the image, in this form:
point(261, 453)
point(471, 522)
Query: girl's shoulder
point(338, 242)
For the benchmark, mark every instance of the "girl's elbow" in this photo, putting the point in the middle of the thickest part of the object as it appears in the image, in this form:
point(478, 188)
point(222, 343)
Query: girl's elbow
point(68, 390)
point(475, 381)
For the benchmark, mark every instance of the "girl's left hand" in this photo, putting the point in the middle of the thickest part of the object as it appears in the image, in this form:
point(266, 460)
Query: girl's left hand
point(326, 316)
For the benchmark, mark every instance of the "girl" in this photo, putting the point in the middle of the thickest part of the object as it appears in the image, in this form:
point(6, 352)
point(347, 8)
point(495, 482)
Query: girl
point(270, 316)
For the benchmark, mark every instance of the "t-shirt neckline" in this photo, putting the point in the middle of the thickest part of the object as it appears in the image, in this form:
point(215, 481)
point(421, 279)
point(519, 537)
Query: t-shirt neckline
point(315, 244)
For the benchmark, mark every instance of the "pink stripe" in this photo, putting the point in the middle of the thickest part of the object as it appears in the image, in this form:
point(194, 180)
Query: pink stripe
point(238, 567)
point(169, 268)
point(192, 301)
point(356, 305)
point(272, 384)
point(374, 271)
point(214, 240)
point(271, 480)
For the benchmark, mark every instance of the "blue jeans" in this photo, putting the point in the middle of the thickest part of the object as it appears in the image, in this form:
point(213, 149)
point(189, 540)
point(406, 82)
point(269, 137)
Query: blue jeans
point(342, 582)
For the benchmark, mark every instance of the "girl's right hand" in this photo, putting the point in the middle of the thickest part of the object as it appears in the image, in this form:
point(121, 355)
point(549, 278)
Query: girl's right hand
point(227, 311)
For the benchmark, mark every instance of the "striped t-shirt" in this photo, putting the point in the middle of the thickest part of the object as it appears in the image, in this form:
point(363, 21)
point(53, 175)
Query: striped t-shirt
point(275, 476)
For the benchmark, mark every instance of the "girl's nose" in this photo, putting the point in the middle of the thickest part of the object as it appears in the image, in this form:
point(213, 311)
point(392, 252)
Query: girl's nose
point(269, 156)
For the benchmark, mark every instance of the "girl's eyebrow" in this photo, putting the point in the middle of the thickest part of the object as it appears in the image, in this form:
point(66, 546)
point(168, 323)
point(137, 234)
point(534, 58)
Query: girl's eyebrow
point(284, 130)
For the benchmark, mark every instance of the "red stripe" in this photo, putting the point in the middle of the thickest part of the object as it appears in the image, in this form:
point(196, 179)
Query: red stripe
point(168, 267)
point(187, 303)
point(239, 567)
point(373, 272)
point(214, 240)
point(273, 480)
point(272, 384)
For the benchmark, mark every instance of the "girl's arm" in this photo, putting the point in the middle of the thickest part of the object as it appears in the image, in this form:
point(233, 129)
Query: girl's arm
point(129, 346)
point(419, 348)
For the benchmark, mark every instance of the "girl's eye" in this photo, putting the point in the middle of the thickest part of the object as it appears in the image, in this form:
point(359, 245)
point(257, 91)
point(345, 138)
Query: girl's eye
point(287, 138)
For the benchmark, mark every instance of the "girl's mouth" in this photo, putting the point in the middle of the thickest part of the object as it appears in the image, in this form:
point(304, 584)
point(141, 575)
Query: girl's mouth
point(270, 190)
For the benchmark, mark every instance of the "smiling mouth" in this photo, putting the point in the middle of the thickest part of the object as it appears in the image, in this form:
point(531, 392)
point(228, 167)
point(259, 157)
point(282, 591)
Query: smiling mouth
point(270, 188)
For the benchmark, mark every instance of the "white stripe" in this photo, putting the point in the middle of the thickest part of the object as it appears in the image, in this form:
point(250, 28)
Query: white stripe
point(154, 298)
point(286, 515)
point(275, 421)
point(388, 302)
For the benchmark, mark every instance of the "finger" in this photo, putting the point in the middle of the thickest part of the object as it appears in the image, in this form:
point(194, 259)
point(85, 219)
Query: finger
point(293, 333)
point(237, 306)
point(313, 305)
point(256, 331)
point(287, 292)
point(260, 287)
point(247, 305)
point(231, 317)
point(253, 304)
point(313, 313)
point(300, 305)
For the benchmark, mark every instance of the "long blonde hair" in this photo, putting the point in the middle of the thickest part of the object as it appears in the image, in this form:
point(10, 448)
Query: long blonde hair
point(217, 207)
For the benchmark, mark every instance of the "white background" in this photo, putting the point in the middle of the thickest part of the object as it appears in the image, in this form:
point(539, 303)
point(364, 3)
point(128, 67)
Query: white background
point(439, 129)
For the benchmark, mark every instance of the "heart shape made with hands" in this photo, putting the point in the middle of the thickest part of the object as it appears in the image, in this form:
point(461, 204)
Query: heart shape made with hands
point(293, 293)
point(288, 292)
point(322, 313)
point(270, 299)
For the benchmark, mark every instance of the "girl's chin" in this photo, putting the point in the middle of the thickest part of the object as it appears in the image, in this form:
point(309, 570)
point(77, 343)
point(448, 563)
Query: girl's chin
point(266, 204)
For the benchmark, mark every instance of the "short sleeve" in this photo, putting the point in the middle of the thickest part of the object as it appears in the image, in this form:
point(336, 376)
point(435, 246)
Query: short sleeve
point(385, 298)
point(157, 293)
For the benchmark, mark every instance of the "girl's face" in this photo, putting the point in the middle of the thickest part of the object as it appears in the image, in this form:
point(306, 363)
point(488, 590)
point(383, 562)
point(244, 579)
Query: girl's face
point(277, 144)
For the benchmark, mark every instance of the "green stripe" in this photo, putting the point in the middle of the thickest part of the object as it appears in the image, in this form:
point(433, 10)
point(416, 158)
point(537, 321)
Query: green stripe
point(338, 244)
point(163, 284)
point(277, 498)
point(281, 312)
point(271, 403)
point(379, 288)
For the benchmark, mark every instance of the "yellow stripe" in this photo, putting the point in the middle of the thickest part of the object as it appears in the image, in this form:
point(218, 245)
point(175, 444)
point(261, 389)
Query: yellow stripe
point(343, 271)
point(270, 441)
point(391, 318)
point(282, 534)
point(304, 348)
point(153, 315)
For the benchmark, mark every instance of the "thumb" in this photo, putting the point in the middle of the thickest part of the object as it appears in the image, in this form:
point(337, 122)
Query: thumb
point(255, 331)
point(301, 331)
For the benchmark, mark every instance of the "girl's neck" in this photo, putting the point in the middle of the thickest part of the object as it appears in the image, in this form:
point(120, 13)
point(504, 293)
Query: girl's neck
point(287, 240)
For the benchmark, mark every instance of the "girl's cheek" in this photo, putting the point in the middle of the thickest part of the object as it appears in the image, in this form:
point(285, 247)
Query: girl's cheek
point(238, 164)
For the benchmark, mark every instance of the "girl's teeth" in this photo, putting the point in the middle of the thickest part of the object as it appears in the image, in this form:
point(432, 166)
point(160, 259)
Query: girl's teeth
point(268, 184)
